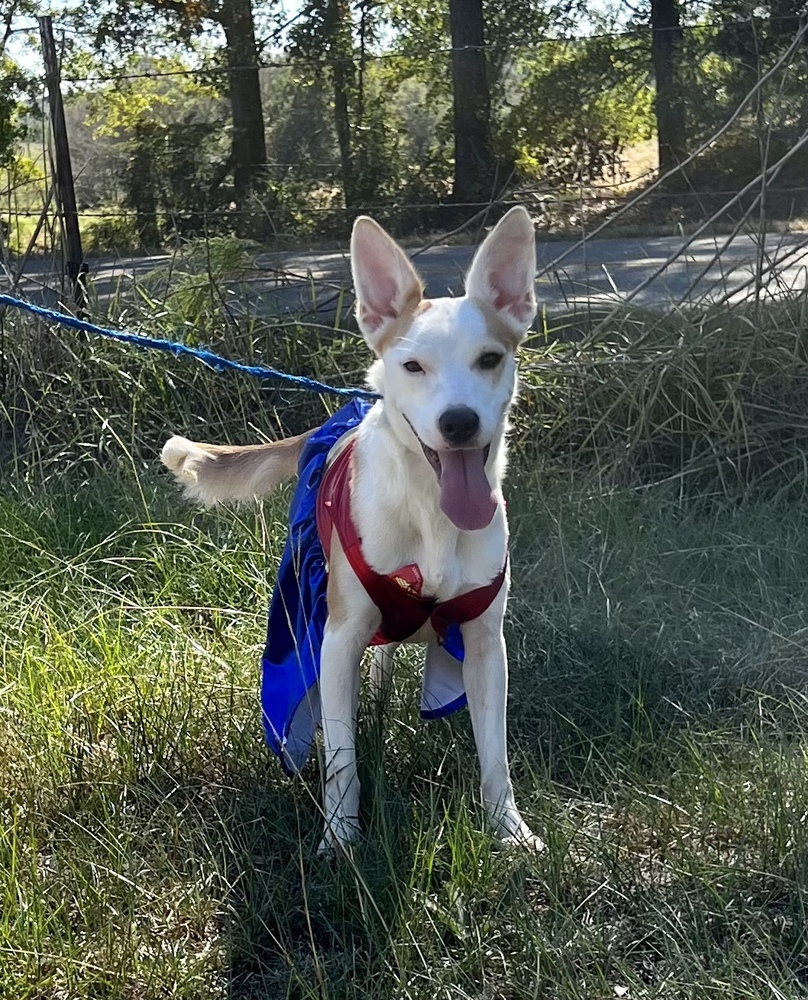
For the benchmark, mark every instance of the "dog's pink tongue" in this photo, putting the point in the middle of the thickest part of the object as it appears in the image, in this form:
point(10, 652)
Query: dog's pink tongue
point(465, 493)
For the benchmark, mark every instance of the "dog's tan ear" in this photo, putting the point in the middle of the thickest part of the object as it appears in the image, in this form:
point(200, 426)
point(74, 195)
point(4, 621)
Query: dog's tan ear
point(503, 272)
point(388, 289)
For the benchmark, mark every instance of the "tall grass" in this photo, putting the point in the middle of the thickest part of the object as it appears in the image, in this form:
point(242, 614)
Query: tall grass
point(658, 631)
point(715, 401)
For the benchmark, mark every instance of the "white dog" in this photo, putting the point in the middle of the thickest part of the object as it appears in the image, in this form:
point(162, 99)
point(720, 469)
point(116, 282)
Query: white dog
point(421, 487)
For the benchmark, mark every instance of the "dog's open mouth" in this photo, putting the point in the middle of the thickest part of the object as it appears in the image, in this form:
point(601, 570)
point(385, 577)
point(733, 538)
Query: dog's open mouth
point(465, 493)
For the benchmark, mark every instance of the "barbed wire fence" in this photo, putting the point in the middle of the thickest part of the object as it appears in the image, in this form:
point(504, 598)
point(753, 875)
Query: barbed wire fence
point(736, 248)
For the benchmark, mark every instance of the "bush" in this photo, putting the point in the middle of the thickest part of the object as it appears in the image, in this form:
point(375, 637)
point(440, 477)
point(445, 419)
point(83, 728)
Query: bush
point(579, 107)
point(114, 234)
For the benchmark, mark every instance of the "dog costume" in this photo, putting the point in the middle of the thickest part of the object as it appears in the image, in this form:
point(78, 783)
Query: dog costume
point(291, 661)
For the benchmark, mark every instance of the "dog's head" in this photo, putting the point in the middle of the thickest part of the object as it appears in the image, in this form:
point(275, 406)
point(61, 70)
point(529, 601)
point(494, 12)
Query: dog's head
point(447, 367)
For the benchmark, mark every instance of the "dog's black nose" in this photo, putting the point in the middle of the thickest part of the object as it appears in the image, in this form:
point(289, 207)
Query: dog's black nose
point(458, 425)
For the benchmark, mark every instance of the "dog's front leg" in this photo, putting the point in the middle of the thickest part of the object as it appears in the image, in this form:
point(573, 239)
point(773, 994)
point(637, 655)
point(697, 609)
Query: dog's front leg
point(352, 620)
point(339, 693)
point(485, 676)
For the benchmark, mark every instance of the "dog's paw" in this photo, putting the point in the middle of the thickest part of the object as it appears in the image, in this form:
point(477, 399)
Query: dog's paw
point(525, 840)
point(337, 839)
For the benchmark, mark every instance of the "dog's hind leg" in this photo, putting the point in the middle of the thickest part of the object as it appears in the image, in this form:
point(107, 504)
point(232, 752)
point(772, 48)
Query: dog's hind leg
point(381, 673)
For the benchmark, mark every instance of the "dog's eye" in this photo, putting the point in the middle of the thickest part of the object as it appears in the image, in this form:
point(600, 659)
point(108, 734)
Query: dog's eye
point(413, 366)
point(489, 360)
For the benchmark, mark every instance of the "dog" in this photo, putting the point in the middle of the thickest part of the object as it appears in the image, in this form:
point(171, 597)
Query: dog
point(420, 487)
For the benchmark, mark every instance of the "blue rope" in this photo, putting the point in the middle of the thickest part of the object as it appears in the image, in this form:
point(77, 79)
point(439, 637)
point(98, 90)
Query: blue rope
point(214, 361)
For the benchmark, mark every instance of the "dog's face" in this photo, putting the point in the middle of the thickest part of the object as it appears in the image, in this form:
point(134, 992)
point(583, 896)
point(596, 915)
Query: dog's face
point(447, 367)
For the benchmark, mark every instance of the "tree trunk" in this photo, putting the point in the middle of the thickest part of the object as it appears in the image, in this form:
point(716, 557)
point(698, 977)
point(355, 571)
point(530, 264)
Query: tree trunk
point(475, 164)
point(249, 151)
point(341, 50)
point(666, 54)
point(141, 186)
point(342, 123)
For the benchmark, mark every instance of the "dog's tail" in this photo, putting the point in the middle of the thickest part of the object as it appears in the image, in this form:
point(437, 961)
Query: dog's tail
point(214, 473)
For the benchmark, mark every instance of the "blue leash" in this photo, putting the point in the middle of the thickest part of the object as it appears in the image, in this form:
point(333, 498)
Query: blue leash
point(214, 361)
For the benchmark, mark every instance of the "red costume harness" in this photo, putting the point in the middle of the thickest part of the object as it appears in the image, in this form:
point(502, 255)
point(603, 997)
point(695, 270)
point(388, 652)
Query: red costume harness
point(398, 595)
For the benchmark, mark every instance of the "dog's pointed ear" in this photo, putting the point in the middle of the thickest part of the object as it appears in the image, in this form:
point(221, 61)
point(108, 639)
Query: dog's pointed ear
point(387, 286)
point(503, 271)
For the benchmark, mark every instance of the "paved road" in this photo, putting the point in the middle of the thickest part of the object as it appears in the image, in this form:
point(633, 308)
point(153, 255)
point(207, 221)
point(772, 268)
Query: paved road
point(650, 272)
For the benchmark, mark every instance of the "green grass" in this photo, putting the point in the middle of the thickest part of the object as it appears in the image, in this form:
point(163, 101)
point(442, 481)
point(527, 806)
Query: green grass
point(149, 845)
point(150, 848)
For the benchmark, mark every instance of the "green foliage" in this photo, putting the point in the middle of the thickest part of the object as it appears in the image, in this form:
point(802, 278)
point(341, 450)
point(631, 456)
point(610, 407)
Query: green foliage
point(19, 96)
point(19, 91)
point(736, 159)
point(512, 26)
point(337, 39)
point(116, 234)
point(12, 128)
point(172, 128)
point(22, 186)
point(300, 136)
point(401, 151)
point(723, 58)
point(722, 63)
point(578, 107)
point(564, 113)
point(753, 34)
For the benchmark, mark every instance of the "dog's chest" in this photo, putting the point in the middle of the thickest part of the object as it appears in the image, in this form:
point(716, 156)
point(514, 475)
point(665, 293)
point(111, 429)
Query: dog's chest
point(447, 562)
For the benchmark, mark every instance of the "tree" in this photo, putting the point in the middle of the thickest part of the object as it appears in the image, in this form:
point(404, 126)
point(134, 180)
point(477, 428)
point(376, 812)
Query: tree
point(12, 84)
point(334, 38)
point(752, 37)
point(122, 27)
point(578, 106)
point(168, 126)
point(666, 53)
point(249, 152)
point(475, 166)
point(338, 32)
point(15, 83)
point(323, 39)
point(486, 39)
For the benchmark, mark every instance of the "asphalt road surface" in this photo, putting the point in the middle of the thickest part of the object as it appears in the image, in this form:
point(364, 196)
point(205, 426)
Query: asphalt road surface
point(652, 272)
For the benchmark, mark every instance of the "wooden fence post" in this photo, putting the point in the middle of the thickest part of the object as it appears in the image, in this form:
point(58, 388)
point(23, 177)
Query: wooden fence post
point(75, 265)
